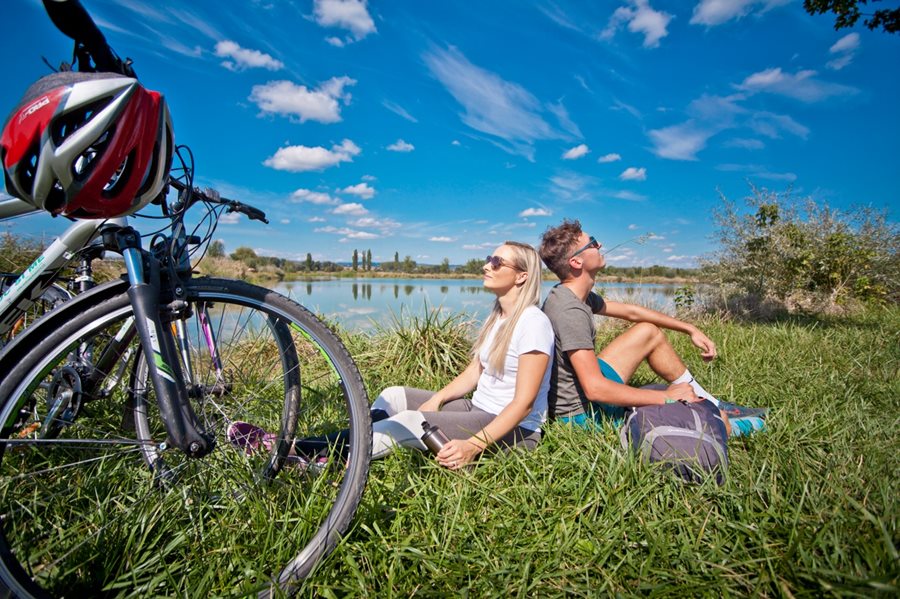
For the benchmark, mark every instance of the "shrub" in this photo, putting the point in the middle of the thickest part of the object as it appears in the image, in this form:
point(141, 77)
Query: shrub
point(805, 254)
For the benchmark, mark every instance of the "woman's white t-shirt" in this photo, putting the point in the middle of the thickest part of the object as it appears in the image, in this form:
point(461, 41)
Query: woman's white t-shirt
point(533, 332)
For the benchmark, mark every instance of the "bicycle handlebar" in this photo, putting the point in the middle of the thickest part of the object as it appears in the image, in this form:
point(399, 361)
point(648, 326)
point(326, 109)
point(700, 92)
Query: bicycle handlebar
point(214, 198)
point(71, 18)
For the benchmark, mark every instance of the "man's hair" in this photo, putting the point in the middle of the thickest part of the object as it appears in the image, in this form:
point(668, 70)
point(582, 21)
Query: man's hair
point(557, 245)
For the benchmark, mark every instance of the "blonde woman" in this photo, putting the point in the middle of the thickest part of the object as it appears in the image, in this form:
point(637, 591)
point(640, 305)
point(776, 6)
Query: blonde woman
point(509, 373)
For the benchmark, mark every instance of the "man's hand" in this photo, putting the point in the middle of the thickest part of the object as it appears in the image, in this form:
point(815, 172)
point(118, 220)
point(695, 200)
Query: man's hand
point(682, 392)
point(457, 453)
point(706, 345)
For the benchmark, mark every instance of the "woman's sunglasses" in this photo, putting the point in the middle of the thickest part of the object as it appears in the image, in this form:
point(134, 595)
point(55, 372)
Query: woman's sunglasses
point(496, 262)
point(592, 244)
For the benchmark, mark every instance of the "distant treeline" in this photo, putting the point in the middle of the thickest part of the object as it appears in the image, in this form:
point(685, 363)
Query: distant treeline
point(407, 265)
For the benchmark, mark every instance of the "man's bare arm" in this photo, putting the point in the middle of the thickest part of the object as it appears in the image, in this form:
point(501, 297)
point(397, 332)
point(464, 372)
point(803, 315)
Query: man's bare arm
point(633, 313)
point(599, 388)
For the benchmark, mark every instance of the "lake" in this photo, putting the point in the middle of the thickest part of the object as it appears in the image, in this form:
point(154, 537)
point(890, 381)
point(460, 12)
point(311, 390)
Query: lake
point(357, 304)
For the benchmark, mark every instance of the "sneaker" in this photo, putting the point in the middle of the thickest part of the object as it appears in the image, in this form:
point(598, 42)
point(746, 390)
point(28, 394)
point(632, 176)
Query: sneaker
point(249, 437)
point(735, 411)
point(746, 425)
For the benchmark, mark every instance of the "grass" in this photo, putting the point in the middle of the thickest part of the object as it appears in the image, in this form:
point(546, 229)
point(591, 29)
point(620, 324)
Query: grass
point(809, 507)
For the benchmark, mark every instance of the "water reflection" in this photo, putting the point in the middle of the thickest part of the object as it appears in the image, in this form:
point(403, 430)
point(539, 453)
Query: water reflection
point(357, 304)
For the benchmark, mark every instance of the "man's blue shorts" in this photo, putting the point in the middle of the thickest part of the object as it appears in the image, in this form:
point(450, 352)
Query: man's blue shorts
point(599, 412)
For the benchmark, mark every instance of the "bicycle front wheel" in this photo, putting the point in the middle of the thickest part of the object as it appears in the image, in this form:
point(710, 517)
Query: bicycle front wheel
point(106, 506)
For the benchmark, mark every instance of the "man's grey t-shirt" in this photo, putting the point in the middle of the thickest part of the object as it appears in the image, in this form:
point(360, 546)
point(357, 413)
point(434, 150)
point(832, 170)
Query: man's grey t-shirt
point(573, 328)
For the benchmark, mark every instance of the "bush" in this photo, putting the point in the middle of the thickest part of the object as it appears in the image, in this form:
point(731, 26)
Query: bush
point(805, 254)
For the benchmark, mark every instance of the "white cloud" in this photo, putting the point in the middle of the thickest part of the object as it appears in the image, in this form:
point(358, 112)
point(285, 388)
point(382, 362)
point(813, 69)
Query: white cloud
point(399, 111)
point(492, 105)
point(285, 221)
point(351, 209)
point(335, 41)
point(802, 85)
point(634, 174)
point(674, 258)
point(848, 43)
point(528, 212)
point(315, 219)
point(633, 227)
point(229, 218)
point(629, 196)
point(297, 159)
point(641, 18)
point(286, 98)
point(845, 48)
point(716, 12)
point(442, 239)
point(368, 178)
point(385, 225)
point(679, 142)
point(244, 58)
point(401, 146)
point(756, 171)
point(576, 152)
point(771, 125)
point(345, 14)
point(655, 237)
point(346, 232)
point(488, 245)
point(363, 190)
point(746, 144)
point(455, 142)
point(609, 158)
point(313, 197)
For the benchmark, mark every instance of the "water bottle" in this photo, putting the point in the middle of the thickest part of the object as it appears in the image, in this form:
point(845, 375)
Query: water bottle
point(433, 438)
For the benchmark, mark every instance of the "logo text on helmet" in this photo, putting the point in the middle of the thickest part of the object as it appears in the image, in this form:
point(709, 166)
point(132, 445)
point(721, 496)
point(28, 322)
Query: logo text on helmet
point(37, 105)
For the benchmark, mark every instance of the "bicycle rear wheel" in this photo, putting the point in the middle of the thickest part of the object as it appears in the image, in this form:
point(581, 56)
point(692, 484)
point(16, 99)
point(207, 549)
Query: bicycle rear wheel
point(83, 514)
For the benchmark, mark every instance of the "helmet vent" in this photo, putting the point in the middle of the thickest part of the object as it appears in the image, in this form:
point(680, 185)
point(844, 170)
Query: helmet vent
point(120, 177)
point(67, 124)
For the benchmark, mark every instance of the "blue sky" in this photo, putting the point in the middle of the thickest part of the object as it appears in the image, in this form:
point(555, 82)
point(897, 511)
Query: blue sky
point(440, 129)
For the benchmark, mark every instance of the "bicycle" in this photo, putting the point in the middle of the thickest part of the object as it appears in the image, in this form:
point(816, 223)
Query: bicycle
point(111, 488)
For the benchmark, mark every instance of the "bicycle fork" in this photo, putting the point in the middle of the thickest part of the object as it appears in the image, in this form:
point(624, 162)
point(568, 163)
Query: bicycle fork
point(162, 356)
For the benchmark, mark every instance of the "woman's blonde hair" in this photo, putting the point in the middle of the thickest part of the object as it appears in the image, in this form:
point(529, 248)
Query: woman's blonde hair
point(525, 259)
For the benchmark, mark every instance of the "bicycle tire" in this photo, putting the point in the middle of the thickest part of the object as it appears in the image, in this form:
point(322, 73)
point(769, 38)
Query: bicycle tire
point(52, 297)
point(99, 521)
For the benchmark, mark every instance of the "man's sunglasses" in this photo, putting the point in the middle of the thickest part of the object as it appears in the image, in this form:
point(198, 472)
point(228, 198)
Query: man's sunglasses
point(496, 262)
point(592, 244)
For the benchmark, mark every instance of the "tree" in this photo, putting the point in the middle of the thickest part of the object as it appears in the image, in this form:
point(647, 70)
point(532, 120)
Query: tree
point(216, 249)
point(355, 260)
point(847, 13)
point(396, 257)
point(804, 251)
point(309, 262)
point(246, 255)
point(445, 266)
point(409, 265)
point(369, 259)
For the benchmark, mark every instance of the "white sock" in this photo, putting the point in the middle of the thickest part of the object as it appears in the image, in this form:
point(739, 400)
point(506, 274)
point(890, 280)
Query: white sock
point(687, 377)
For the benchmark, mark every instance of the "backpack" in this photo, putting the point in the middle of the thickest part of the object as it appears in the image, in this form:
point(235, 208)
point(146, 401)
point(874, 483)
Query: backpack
point(690, 437)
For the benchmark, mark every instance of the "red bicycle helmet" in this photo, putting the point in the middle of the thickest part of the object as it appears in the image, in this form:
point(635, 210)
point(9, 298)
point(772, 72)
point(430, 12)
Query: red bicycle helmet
point(87, 145)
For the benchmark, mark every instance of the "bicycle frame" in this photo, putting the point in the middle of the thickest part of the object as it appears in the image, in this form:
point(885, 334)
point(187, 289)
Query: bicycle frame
point(41, 274)
point(167, 358)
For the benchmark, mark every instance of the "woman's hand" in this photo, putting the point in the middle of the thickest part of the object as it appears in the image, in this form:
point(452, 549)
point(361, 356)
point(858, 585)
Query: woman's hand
point(433, 404)
point(457, 453)
point(706, 345)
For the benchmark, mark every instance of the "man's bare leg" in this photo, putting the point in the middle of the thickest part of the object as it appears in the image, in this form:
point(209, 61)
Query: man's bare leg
point(643, 341)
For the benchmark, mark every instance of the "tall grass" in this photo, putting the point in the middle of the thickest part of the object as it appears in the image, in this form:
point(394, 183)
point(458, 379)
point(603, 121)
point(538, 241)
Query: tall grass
point(810, 507)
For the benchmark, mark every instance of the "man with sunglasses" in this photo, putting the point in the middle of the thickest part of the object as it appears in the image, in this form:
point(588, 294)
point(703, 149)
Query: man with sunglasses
point(585, 386)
